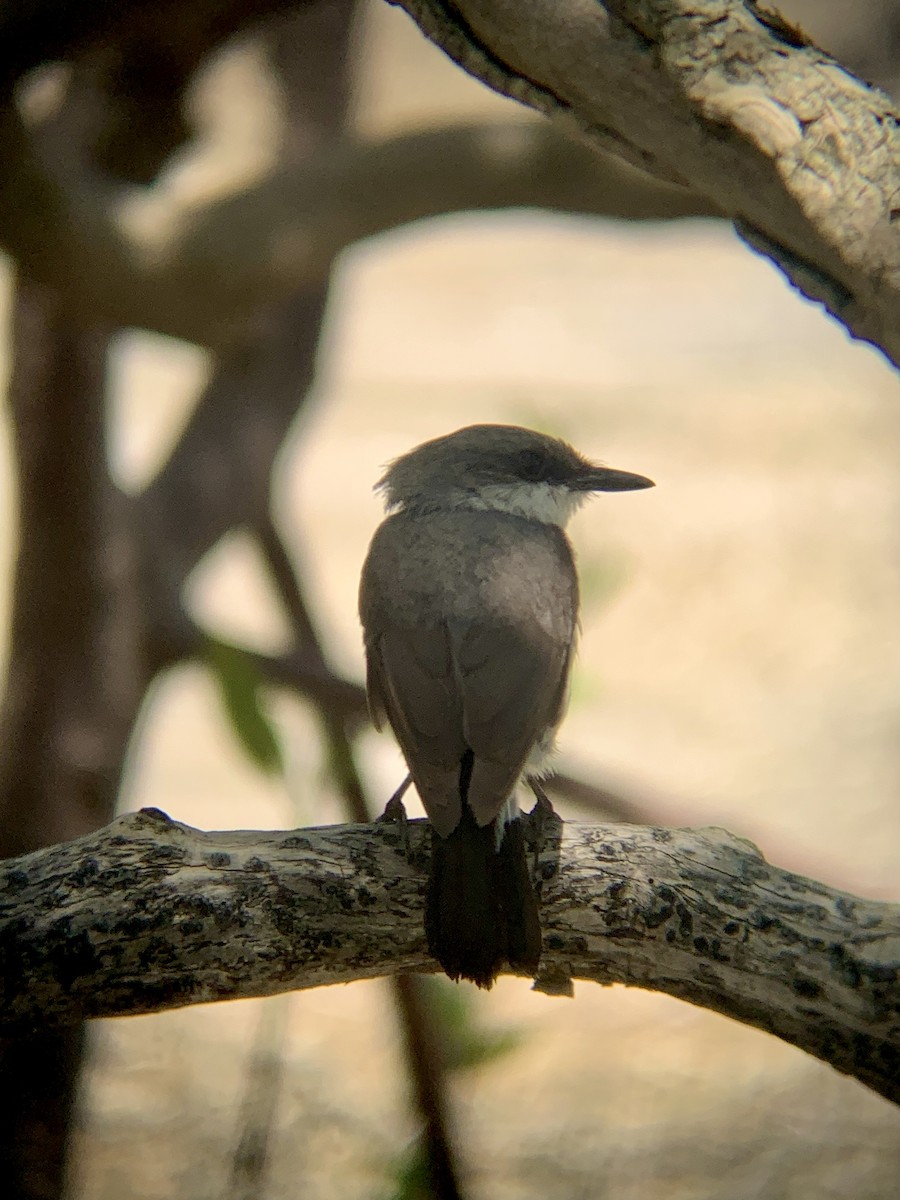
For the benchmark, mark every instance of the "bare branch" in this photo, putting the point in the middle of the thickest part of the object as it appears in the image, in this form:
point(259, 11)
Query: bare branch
point(227, 261)
point(763, 128)
point(804, 157)
point(603, 800)
point(148, 914)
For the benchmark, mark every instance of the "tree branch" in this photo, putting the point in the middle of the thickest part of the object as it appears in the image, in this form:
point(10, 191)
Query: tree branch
point(804, 157)
point(763, 127)
point(229, 259)
point(148, 914)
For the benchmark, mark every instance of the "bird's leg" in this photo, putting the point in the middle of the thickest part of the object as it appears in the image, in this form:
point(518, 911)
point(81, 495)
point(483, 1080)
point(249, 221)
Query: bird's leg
point(395, 812)
point(544, 803)
point(552, 980)
point(541, 816)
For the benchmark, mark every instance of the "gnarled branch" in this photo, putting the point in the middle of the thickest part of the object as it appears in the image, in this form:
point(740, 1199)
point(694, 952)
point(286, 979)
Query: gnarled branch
point(804, 157)
point(149, 914)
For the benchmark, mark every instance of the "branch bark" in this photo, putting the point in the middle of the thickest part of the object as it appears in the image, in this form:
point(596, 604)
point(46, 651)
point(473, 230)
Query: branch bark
point(148, 914)
point(763, 127)
point(804, 157)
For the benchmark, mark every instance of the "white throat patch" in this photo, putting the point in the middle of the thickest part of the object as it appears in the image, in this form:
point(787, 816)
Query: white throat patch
point(535, 501)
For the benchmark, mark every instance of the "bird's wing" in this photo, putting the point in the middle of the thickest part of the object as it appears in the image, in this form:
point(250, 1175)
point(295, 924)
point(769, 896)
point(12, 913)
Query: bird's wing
point(410, 679)
point(480, 665)
point(513, 686)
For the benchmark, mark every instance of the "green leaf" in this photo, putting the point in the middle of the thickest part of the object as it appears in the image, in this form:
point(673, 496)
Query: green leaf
point(464, 1043)
point(413, 1178)
point(240, 682)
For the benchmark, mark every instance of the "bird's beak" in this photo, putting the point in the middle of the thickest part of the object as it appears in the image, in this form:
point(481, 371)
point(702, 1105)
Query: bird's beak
point(605, 479)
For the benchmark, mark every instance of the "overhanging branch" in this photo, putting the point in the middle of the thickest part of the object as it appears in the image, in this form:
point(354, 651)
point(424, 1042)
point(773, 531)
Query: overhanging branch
point(149, 914)
point(802, 155)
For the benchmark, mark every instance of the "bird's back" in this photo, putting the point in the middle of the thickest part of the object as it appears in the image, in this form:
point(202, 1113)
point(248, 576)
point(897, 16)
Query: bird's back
point(469, 619)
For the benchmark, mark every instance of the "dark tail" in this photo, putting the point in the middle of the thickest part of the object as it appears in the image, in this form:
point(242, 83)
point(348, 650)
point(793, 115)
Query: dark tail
point(481, 910)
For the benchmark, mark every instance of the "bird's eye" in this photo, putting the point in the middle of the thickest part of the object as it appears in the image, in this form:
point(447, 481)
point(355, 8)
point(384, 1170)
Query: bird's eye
point(532, 465)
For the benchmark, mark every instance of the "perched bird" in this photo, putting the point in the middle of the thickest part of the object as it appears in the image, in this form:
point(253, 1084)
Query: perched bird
point(469, 608)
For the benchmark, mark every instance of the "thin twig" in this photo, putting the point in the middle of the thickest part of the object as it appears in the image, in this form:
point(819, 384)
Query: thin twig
point(338, 740)
point(264, 1073)
point(429, 1078)
point(303, 670)
point(427, 1072)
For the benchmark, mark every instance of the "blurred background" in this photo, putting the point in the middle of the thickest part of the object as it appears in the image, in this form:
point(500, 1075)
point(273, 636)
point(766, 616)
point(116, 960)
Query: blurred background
point(739, 664)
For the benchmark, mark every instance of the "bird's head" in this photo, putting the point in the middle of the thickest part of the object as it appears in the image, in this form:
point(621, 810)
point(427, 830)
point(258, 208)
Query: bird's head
point(501, 467)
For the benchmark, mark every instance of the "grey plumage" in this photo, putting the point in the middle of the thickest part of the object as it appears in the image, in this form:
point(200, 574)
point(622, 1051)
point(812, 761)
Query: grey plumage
point(469, 605)
point(481, 664)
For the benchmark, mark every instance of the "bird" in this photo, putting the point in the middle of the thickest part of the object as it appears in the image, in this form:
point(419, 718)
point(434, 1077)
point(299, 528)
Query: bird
point(469, 603)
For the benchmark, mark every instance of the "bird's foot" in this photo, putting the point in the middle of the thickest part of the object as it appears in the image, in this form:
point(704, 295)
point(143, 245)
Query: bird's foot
point(544, 806)
point(395, 812)
point(544, 821)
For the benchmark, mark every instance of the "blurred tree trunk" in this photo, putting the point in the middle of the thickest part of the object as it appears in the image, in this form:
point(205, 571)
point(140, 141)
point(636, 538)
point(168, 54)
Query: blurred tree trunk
point(90, 609)
point(74, 681)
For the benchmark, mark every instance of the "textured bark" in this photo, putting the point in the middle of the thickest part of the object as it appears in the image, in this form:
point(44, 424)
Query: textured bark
point(149, 914)
point(804, 157)
point(761, 127)
point(211, 284)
